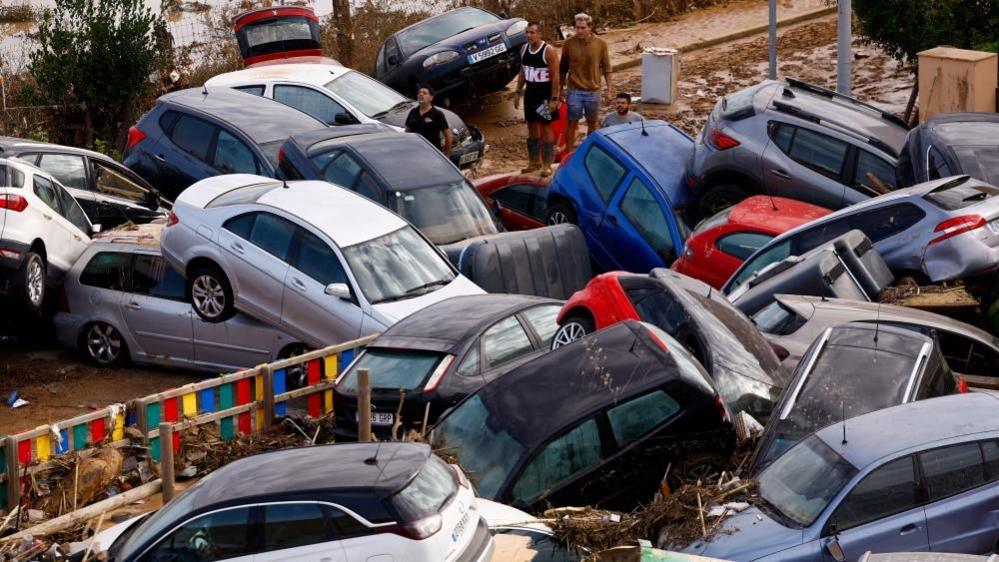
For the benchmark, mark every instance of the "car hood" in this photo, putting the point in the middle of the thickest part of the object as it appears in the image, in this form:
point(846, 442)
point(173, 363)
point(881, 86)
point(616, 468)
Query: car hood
point(397, 118)
point(391, 312)
point(458, 42)
point(747, 536)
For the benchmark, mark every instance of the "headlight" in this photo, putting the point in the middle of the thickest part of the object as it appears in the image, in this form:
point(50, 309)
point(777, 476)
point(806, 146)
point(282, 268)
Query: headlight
point(517, 28)
point(440, 58)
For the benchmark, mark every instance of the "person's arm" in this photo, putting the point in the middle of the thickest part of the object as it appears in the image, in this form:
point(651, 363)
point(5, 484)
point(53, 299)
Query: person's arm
point(551, 57)
point(606, 63)
point(447, 141)
point(521, 79)
point(563, 68)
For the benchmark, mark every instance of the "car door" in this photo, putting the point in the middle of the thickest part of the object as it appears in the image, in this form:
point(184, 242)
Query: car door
point(156, 311)
point(71, 171)
point(67, 225)
point(224, 534)
point(804, 164)
point(522, 206)
point(307, 309)
point(882, 513)
point(51, 230)
point(871, 176)
point(258, 246)
point(389, 73)
point(594, 188)
point(122, 194)
point(299, 532)
point(314, 102)
point(636, 231)
point(186, 151)
point(963, 510)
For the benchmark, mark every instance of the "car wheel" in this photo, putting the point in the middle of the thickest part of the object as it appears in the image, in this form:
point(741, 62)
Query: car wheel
point(721, 197)
point(295, 376)
point(560, 213)
point(104, 346)
point(32, 283)
point(697, 466)
point(210, 294)
point(571, 329)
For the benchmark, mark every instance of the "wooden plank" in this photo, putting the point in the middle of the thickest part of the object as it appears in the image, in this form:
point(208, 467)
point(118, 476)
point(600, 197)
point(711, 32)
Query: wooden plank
point(44, 429)
point(304, 391)
point(207, 418)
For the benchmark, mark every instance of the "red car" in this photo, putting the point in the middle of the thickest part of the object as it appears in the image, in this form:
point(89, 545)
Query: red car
point(720, 244)
point(521, 199)
point(279, 35)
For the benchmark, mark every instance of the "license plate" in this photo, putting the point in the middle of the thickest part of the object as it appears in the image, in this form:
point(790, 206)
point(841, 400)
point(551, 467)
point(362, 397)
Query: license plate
point(459, 529)
point(468, 157)
point(381, 418)
point(490, 52)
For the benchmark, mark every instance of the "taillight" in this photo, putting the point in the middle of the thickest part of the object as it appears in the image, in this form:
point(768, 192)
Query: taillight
point(63, 301)
point(957, 225)
point(417, 530)
point(172, 219)
point(12, 202)
point(719, 140)
point(722, 409)
point(281, 156)
point(438, 374)
point(962, 385)
point(135, 136)
point(780, 352)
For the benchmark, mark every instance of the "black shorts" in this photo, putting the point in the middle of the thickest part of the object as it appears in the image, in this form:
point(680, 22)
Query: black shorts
point(534, 100)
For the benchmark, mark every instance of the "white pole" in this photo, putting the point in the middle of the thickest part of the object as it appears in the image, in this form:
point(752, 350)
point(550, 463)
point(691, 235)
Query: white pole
point(844, 55)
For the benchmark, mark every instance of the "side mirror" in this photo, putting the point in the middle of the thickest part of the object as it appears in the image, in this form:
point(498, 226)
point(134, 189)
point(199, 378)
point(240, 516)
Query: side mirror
point(393, 60)
point(344, 119)
point(503, 15)
point(835, 550)
point(338, 290)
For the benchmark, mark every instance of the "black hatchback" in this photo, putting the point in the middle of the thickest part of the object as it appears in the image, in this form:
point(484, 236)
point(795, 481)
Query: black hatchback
point(592, 423)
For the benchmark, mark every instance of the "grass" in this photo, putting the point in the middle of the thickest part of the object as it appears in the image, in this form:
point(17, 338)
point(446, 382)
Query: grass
point(17, 13)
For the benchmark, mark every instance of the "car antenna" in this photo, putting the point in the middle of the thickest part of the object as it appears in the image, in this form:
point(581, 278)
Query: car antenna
point(842, 404)
point(204, 90)
point(373, 459)
point(641, 106)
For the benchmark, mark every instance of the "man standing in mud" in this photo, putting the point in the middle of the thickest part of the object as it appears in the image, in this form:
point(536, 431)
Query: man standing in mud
point(430, 122)
point(585, 59)
point(538, 84)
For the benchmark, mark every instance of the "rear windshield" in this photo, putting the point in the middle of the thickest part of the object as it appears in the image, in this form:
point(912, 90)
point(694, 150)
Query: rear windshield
point(775, 318)
point(428, 492)
point(743, 330)
point(242, 195)
point(800, 484)
point(717, 219)
point(738, 105)
point(392, 369)
point(961, 193)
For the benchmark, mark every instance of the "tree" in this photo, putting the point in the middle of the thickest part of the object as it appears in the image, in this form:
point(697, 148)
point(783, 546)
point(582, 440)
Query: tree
point(95, 59)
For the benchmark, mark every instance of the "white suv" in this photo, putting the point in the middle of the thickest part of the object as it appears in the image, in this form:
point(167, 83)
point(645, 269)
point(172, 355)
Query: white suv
point(43, 230)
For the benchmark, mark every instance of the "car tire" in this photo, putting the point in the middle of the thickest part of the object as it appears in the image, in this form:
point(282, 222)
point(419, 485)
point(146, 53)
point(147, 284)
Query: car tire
point(103, 345)
point(297, 375)
point(210, 294)
point(571, 329)
point(560, 213)
point(720, 197)
point(703, 466)
point(31, 284)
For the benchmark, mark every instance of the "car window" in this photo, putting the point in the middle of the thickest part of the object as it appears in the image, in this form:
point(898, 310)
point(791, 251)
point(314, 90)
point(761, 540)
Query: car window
point(604, 171)
point(990, 451)
point(816, 151)
point(151, 276)
point(777, 319)
point(243, 195)
point(10, 176)
point(215, 536)
point(109, 181)
point(890, 489)
point(505, 341)
point(773, 254)
point(71, 210)
point(428, 492)
point(107, 270)
point(193, 135)
point(951, 470)
point(380, 59)
point(873, 175)
point(69, 169)
point(257, 90)
point(292, 525)
point(566, 456)
point(341, 168)
point(367, 95)
point(936, 166)
point(645, 213)
point(309, 101)
point(47, 193)
point(967, 356)
point(782, 135)
point(469, 366)
point(542, 319)
point(232, 156)
point(742, 244)
point(391, 50)
point(658, 307)
point(273, 234)
point(240, 225)
point(317, 260)
point(814, 237)
point(886, 221)
point(523, 198)
point(638, 416)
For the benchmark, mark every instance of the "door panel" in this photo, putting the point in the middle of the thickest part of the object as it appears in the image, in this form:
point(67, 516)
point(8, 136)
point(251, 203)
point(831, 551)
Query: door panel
point(258, 262)
point(156, 312)
point(56, 235)
point(636, 232)
point(238, 343)
point(904, 532)
point(963, 513)
point(786, 174)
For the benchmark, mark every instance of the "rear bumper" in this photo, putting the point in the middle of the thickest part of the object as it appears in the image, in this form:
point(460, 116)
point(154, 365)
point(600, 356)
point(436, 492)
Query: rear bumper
point(956, 258)
point(474, 144)
point(12, 254)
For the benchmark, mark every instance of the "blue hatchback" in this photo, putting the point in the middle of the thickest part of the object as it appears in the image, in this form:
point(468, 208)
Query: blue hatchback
point(625, 188)
point(922, 476)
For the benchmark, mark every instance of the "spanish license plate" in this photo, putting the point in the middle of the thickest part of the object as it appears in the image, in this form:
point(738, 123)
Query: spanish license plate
point(468, 157)
point(485, 54)
point(459, 529)
point(381, 418)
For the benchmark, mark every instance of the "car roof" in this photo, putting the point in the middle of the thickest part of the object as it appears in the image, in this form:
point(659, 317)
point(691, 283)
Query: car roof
point(31, 146)
point(446, 325)
point(915, 425)
point(405, 161)
point(657, 153)
point(261, 119)
point(964, 128)
point(306, 73)
point(328, 468)
point(774, 214)
point(309, 141)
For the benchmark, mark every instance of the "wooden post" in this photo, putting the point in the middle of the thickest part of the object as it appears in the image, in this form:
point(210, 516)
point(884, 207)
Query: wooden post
point(363, 405)
point(268, 398)
point(13, 479)
point(141, 420)
point(166, 460)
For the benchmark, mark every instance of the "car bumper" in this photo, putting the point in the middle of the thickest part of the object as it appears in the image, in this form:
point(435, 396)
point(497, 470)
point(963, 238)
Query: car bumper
point(67, 329)
point(469, 79)
point(470, 152)
point(957, 258)
point(482, 546)
point(12, 254)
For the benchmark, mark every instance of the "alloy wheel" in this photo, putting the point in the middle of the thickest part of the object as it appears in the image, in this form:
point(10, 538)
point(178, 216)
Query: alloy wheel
point(103, 343)
point(568, 333)
point(35, 282)
point(557, 217)
point(208, 296)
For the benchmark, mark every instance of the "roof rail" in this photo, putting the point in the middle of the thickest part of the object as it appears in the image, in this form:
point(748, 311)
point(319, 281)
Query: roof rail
point(831, 94)
point(809, 116)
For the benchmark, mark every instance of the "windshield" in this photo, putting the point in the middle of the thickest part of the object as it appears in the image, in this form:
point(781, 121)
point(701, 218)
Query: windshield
point(397, 266)
point(367, 95)
point(445, 214)
point(477, 438)
point(800, 484)
point(271, 150)
point(392, 369)
point(428, 492)
point(757, 262)
point(167, 516)
point(433, 30)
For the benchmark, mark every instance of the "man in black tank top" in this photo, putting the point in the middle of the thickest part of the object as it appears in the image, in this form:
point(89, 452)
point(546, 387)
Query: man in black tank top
point(538, 84)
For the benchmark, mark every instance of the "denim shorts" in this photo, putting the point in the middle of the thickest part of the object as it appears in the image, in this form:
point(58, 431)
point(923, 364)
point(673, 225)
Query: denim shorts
point(581, 102)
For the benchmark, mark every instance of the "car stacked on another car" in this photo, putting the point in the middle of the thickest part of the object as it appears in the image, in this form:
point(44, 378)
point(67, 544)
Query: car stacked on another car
point(519, 199)
point(949, 144)
point(279, 35)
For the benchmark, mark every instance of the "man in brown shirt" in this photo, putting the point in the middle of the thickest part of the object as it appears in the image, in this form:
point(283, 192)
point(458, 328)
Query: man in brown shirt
point(585, 59)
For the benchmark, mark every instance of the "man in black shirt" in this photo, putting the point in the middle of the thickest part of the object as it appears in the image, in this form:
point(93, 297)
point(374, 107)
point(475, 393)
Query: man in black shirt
point(427, 120)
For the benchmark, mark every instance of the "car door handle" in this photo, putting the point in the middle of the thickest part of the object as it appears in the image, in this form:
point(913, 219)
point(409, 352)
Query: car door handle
point(77, 238)
point(781, 174)
point(907, 529)
point(237, 247)
point(134, 306)
point(298, 283)
point(160, 157)
point(47, 217)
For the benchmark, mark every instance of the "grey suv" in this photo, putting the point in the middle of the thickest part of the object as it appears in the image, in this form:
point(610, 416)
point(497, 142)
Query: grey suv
point(796, 140)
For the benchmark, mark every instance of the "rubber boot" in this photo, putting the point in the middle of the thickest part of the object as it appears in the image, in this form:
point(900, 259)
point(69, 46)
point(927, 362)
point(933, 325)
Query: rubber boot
point(534, 156)
point(547, 155)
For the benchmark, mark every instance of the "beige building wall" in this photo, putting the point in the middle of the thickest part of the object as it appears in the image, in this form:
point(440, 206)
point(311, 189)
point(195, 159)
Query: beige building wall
point(956, 80)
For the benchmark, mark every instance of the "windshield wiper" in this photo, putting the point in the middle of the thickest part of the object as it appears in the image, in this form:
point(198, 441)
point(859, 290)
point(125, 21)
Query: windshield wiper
point(428, 285)
point(391, 109)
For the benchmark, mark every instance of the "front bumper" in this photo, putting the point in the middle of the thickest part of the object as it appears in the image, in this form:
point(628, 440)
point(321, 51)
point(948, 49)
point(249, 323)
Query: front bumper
point(470, 152)
point(480, 78)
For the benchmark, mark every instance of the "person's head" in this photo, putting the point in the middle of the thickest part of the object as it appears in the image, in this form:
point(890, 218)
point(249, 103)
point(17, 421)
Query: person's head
point(534, 34)
point(425, 95)
point(584, 25)
point(622, 103)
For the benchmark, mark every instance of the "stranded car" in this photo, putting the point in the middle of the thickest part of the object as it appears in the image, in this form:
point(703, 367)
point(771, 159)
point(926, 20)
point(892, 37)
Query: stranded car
point(279, 34)
point(915, 477)
point(321, 262)
point(586, 426)
point(352, 501)
point(948, 144)
point(519, 199)
point(719, 244)
point(460, 53)
point(624, 187)
point(744, 368)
